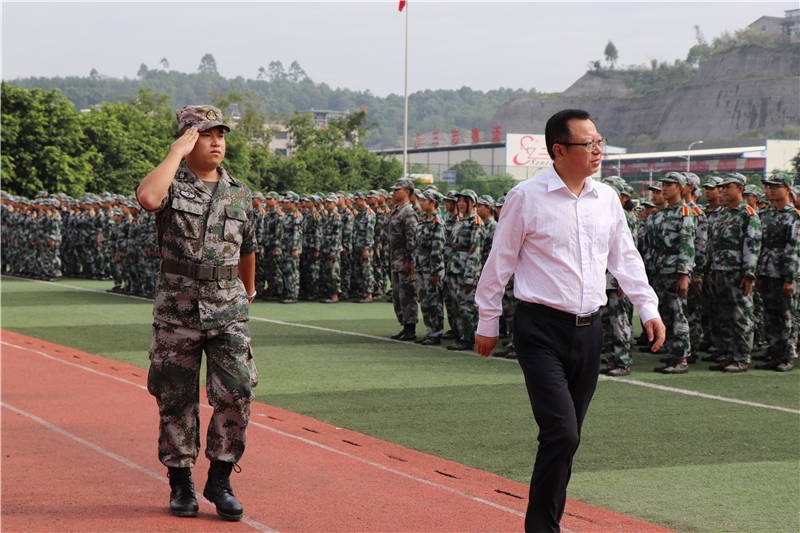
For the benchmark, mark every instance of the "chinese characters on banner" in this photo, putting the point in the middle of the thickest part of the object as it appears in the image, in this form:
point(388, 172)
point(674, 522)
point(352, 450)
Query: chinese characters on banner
point(418, 140)
point(455, 139)
point(476, 135)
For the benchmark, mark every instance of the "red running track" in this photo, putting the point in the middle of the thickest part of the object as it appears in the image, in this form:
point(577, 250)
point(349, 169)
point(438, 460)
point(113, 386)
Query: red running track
point(79, 437)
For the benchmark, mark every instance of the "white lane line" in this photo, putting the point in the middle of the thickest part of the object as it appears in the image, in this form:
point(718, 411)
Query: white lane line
point(698, 394)
point(249, 521)
point(252, 423)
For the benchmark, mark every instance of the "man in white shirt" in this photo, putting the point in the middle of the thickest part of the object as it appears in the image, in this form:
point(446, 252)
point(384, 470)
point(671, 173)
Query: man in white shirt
point(559, 232)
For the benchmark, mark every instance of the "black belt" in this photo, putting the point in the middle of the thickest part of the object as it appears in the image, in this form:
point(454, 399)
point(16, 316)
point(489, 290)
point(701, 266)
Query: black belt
point(578, 320)
point(199, 271)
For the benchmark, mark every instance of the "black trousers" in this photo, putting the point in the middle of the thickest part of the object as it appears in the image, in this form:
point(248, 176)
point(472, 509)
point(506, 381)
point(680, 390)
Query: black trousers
point(561, 362)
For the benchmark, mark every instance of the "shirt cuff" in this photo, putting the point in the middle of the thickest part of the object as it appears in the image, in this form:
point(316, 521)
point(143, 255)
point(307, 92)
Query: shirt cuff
point(648, 312)
point(489, 328)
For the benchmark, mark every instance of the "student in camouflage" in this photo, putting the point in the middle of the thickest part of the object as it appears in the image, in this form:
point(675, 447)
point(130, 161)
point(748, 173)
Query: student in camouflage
point(752, 194)
point(695, 294)
point(373, 201)
point(362, 281)
point(485, 210)
point(673, 246)
point(309, 257)
point(347, 215)
point(464, 266)
point(204, 290)
point(733, 247)
point(401, 230)
point(777, 273)
point(429, 267)
point(711, 333)
point(330, 258)
point(272, 241)
point(452, 217)
point(291, 245)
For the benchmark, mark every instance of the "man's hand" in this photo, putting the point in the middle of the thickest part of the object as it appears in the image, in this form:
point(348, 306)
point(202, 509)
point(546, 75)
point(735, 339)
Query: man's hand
point(485, 345)
point(683, 285)
point(365, 254)
point(185, 143)
point(747, 284)
point(788, 289)
point(435, 281)
point(410, 269)
point(294, 254)
point(655, 330)
point(315, 256)
point(696, 283)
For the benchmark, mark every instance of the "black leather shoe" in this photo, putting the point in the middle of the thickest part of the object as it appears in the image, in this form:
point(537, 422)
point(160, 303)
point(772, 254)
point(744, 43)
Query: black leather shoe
point(219, 492)
point(450, 335)
point(397, 336)
point(460, 346)
point(182, 500)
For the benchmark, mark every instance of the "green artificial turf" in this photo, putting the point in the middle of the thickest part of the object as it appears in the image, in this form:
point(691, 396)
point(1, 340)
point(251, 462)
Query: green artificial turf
point(688, 463)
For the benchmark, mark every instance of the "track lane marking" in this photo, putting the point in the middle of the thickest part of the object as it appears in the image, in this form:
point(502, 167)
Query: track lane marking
point(249, 521)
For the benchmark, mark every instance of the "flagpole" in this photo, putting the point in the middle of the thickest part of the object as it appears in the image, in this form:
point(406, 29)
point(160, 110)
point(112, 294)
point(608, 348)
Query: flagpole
point(405, 129)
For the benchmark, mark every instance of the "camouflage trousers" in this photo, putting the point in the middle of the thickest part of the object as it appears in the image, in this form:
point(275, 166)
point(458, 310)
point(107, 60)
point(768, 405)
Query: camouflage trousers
point(379, 277)
point(758, 316)
point(431, 301)
point(708, 314)
point(331, 275)
point(734, 315)
point(466, 311)
point(362, 280)
point(509, 303)
point(175, 361)
point(779, 328)
point(347, 273)
point(617, 328)
point(404, 297)
point(447, 295)
point(309, 273)
point(694, 303)
point(673, 311)
point(116, 274)
point(52, 263)
point(273, 275)
point(291, 276)
point(261, 270)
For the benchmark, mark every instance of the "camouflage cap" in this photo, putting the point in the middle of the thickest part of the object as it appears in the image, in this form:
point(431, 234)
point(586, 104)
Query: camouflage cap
point(416, 192)
point(258, 194)
point(469, 193)
point(432, 186)
point(752, 189)
point(779, 178)
point(403, 183)
point(615, 182)
point(116, 212)
point(713, 182)
point(42, 194)
point(500, 202)
point(273, 195)
point(384, 192)
point(202, 117)
point(692, 178)
point(674, 177)
point(291, 197)
point(795, 191)
point(359, 195)
point(373, 194)
point(735, 177)
point(486, 200)
point(648, 203)
point(654, 187)
point(432, 195)
point(332, 198)
point(451, 195)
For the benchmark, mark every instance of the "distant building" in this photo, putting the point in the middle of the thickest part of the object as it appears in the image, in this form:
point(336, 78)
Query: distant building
point(322, 117)
point(772, 26)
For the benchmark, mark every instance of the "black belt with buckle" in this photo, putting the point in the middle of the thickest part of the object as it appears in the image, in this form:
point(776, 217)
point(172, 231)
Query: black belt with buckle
point(199, 271)
point(578, 320)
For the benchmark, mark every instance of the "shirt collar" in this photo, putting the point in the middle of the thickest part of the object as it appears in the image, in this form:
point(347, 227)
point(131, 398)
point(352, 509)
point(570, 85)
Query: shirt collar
point(554, 182)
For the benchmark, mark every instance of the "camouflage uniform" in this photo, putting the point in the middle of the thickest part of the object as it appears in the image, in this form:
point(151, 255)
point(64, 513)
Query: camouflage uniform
point(449, 282)
point(377, 256)
point(291, 230)
point(733, 248)
point(193, 313)
point(331, 252)
point(309, 267)
point(711, 331)
point(694, 298)
point(429, 262)
point(272, 237)
point(464, 268)
point(261, 257)
point(779, 263)
point(362, 280)
point(401, 231)
point(347, 250)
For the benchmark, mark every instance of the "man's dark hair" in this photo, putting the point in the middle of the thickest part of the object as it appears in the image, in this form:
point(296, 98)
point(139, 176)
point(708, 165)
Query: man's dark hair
point(557, 128)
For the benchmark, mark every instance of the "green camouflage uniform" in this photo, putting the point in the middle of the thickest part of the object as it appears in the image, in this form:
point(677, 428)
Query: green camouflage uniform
point(694, 298)
point(733, 247)
point(449, 282)
point(348, 218)
point(711, 331)
point(464, 269)
point(331, 252)
point(779, 263)
point(617, 330)
point(401, 231)
point(362, 280)
point(261, 257)
point(195, 315)
point(429, 262)
point(291, 230)
point(309, 267)
point(272, 236)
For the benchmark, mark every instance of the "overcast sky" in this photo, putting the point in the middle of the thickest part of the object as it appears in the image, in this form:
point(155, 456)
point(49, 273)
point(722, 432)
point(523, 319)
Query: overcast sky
point(359, 45)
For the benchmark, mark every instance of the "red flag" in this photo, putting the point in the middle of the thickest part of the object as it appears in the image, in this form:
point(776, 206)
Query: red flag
point(402, 4)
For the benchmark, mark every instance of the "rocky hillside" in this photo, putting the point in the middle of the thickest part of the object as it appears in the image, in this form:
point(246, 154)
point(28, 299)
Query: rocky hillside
point(746, 90)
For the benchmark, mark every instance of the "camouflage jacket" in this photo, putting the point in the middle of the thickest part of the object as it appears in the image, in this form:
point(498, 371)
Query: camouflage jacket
point(449, 224)
point(734, 242)
point(402, 227)
point(673, 240)
point(648, 250)
point(260, 216)
point(700, 240)
point(148, 232)
point(332, 233)
point(387, 211)
point(364, 230)
point(272, 228)
point(712, 216)
point(430, 246)
point(291, 230)
point(488, 231)
point(380, 225)
point(348, 218)
point(196, 227)
point(633, 226)
point(312, 235)
point(464, 260)
point(780, 244)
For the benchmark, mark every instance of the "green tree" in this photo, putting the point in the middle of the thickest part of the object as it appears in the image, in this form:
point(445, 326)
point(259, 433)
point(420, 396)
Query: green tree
point(611, 53)
point(208, 65)
point(468, 171)
point(43, 143)
point(700, 52)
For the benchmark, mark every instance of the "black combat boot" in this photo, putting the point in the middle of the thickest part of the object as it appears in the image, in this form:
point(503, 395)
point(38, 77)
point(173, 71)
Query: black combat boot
point(409, 333)
point(219, 492)
point(182, 501)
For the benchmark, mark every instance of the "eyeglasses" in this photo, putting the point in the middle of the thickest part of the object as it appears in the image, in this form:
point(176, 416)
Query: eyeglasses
point(590, 146)
point(773, 186)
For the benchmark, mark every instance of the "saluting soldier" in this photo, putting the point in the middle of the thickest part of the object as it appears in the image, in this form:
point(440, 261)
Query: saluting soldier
point(402, 243)
point(204, 290)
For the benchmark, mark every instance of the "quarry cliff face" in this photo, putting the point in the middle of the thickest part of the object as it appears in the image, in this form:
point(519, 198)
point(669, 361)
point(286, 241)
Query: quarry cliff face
point(731, 93)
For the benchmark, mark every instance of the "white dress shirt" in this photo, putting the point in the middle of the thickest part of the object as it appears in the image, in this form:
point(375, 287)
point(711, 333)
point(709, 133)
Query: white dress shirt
point(558, 246)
